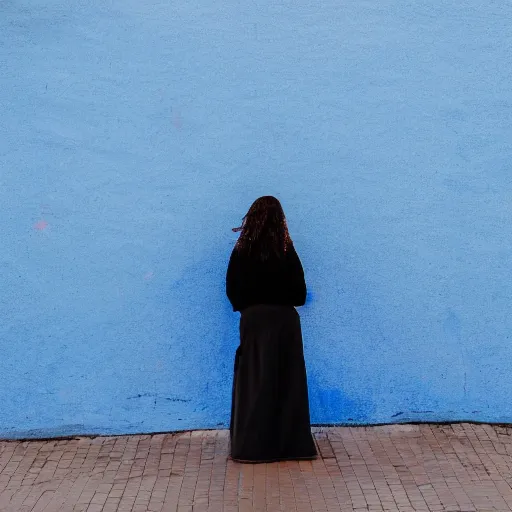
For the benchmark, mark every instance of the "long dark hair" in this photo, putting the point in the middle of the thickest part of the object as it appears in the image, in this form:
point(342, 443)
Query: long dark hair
point(264, 231)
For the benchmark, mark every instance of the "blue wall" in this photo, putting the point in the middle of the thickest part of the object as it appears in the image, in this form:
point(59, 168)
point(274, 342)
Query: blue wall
point(134, 136)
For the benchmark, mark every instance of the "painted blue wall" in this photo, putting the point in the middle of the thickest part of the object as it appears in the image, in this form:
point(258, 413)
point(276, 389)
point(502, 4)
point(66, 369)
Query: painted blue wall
point(134, 136)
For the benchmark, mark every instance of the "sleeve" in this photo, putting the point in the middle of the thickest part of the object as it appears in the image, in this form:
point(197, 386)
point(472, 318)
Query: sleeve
point(231, 280)
point(297, 282)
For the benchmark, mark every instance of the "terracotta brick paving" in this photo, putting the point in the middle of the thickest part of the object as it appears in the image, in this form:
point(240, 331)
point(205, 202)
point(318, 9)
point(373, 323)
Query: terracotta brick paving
point(397, 468)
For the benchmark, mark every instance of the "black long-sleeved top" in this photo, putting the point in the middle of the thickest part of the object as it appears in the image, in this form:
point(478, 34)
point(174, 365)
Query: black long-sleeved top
point(274, 281)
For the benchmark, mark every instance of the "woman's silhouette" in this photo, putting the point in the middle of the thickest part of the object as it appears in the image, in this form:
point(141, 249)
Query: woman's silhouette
point(265, 281)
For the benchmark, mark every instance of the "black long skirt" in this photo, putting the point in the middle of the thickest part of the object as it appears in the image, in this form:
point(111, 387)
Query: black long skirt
point(270, 408)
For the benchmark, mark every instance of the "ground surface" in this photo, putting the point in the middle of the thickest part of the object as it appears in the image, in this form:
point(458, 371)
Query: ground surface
point(396, 468)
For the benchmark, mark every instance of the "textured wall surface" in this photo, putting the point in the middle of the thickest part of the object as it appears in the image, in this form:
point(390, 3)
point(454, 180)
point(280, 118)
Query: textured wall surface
point(134, 136)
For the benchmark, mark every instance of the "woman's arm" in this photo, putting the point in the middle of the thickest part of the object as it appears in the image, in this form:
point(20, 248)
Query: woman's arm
point(297, 282)
point(231, 285)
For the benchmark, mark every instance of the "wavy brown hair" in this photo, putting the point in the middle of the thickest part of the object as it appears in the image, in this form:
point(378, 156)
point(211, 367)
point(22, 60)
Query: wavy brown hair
point(264, 231)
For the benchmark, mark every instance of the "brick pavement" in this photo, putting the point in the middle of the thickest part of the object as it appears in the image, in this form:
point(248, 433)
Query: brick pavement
point(395, 468)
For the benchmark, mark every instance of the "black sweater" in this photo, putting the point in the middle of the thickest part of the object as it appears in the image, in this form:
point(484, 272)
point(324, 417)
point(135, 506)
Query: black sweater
point(275, 281)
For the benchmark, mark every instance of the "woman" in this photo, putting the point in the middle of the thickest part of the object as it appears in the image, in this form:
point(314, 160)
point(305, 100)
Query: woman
point(265, 280)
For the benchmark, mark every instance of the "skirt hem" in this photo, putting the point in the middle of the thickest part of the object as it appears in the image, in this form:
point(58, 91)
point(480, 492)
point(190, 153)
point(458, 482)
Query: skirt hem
point(268, 461)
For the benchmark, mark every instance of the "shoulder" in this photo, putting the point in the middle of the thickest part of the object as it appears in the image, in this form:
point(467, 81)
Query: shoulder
point(292, 258)
point(291, 252)
point(236, 253)
point(236, 256)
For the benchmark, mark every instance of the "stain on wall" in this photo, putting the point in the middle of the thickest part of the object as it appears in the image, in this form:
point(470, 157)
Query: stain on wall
point(135, 136)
